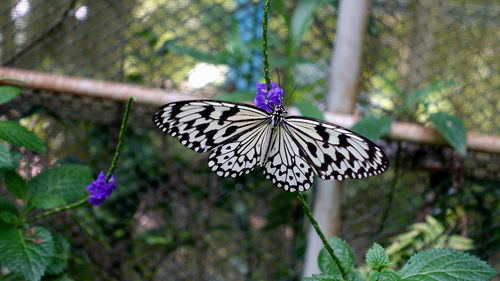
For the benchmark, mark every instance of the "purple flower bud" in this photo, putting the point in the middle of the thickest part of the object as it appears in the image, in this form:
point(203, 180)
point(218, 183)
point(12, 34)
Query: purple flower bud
point(100, 190)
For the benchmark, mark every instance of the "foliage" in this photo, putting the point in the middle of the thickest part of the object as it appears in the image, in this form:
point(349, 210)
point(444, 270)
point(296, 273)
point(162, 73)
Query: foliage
point(435, 264)
point(426, 235)
point(450, 126)
point(33, 252)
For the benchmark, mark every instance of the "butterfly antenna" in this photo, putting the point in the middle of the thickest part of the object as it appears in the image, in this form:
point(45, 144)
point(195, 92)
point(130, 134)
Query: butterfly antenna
point(278, 73)
point(291, 93)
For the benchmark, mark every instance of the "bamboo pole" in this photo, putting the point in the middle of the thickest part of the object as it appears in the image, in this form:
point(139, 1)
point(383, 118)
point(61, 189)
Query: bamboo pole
point(119, 91)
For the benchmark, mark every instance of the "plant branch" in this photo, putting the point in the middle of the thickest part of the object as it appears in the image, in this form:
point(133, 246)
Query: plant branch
point(108, 175)
point(320, 234)
point(60, 209)
point(120, 139)
point(264, 45)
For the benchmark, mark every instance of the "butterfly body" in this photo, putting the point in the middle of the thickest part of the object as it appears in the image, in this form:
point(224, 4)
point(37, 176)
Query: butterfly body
point(289, 149)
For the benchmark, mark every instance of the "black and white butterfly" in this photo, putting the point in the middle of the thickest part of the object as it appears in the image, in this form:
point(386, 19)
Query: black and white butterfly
point(290, 149)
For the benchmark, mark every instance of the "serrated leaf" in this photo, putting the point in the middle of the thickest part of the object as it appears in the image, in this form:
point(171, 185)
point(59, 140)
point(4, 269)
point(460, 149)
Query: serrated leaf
point(15, 134)
point(377, 258)
point(8, 218)
point(421, 94)
point(8, 93)
point(47, 201)
point(59, 260)
point(373, 128)
point(5, 157)
point(323, 277)
point(452, 129)
point(387, 275)
point(302, 20)
point(326, 263)
point(444, 265)
point(309, 109)
point(65, 181)
point(26, 255)
point(355, 275)
point(237, 97)
point(16, 185)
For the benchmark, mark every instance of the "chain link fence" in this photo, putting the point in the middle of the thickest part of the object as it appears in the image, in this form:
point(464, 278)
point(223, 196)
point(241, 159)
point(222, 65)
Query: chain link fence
point(171, 219)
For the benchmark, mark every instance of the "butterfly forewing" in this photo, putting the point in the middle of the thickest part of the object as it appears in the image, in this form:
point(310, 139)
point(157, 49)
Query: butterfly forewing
point(204, 125)
point(335, 152)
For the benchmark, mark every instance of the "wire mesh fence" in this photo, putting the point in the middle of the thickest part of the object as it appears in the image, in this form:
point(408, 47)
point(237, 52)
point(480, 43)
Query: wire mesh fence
point(171, 218)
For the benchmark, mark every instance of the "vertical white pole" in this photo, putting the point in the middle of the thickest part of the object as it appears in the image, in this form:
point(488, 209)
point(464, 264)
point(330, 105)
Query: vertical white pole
point(344, 76)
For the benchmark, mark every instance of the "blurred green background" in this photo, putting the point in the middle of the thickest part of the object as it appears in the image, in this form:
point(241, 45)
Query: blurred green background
point(171, 218)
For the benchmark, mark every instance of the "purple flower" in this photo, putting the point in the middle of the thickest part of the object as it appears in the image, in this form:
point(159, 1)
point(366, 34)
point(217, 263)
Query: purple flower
point(100, 190)
point(266, 100)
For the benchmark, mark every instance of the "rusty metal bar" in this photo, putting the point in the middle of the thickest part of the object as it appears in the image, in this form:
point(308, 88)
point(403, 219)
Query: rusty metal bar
point(120, 91)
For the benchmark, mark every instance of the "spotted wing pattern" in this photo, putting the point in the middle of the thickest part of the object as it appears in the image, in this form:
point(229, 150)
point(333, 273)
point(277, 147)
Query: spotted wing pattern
point(234, 132)
point(286, 165)
point(334, 152)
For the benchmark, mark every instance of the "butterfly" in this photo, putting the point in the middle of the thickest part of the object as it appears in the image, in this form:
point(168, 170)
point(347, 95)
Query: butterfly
point(289, 149)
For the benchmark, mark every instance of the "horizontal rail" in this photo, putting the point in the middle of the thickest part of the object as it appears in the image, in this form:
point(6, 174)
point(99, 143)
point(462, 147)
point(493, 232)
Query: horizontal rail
point(403, 131)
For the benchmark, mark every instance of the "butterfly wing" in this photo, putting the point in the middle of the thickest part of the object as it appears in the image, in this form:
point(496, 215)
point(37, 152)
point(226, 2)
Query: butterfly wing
point(334, 152)
point(234, 132)
point(286, 164)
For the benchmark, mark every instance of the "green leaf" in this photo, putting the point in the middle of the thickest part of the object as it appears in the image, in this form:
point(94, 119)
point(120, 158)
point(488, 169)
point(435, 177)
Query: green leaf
point(309, 109)
point(394, 87)
point(377, 258)
point(5, 157)
point(323, 277)
point(452, 129)
point(27, 254)
point(373, 128)
point(47, 201)
point(445, 264)
point(237, 96)
point(388, 275)
point(7, 206)
point(12, 277)
point(16, 134)
point(16, 185)
point(8, 93)
point(59, 260)
point(302, 20)
point(8, 218)
point(421, 94)
point(326, 263)
point(65, 181)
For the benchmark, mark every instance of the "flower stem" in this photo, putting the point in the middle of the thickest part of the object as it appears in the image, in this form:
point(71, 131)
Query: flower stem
point(108, 175)
point(320, 234)
point(264, 45)
point(120, 139)
point(60, 209)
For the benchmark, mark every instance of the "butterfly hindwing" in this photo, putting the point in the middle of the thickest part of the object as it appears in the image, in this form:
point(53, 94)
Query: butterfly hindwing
point(335, 152)
point(286, 164)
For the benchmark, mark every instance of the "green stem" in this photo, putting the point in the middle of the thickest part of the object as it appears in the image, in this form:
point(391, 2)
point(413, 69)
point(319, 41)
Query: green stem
point(108, 175)
point(264, 45)
point(120, 139)
point(320, 234)
point(392, 191)
point(60, 209)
